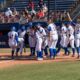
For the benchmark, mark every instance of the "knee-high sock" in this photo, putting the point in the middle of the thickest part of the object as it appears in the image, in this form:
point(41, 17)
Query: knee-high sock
point(78, 50)
point(42, 51)
point(54, 52)
point(46, 51)
point(58, 50)
point(66, 50)
point(39, 54)
point(17, 50)
point(51, 52)
point(12, 55)
point(73, 50)
point(33, 51)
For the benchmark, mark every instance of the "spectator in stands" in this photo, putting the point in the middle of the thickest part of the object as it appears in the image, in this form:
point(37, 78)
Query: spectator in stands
point(40, 14)
point(45, 9)
point(11, 19)
point(23, 19)
point(26, 11)
point(64, 16)
point(9, 12)
point(53, 16)
point(26, 16)
point(33, 13)
point(31, 5)
point(57, 16)
point(40, 4)
point(16, 15)
point(16, 19)
point(15, 12)
point(29, 18)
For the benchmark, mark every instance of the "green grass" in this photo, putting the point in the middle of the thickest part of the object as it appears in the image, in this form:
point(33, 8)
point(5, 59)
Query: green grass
point(44, 71)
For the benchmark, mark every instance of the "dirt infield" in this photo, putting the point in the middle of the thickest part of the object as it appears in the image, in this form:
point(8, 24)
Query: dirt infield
point(5, 60)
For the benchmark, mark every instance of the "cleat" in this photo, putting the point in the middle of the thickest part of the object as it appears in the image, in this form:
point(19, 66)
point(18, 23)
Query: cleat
point(39, 59)
point(73, 55)
point(12, 57)
point(51, 57)
point(78, 57)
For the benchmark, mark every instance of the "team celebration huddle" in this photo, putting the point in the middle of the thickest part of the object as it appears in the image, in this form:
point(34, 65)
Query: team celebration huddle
point(43, 41)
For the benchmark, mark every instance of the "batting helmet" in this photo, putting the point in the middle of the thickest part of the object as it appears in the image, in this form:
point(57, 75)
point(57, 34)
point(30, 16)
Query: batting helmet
point(13, 28)
point(30, 24)
point(23, 28)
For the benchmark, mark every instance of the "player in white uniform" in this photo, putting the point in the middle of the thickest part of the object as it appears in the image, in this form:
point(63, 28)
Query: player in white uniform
point(64, 40)
point(32, 39)
point(45, 43)
point(71, 38)
point(77, 38)
point(52, 39)
point(21, 34)
point(40, 35)
point(13, 40)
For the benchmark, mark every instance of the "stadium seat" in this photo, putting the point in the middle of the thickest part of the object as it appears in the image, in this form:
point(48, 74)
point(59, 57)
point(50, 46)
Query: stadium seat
point(58, 4)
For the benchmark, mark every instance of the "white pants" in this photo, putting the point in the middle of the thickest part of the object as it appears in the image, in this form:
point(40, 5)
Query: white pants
point(71, 40)
point(20, 40)
point(39, 44)
point(45, 43)
point(52, 42)
point(64, 41)
point(12, 44)
point(32, 41)
point(77, 40)
point(21, 44)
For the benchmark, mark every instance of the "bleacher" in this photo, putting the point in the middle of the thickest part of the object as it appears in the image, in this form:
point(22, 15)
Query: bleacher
point(54, 4)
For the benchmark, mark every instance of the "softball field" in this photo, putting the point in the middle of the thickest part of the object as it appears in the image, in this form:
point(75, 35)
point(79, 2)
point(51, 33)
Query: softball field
point(27, 68)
